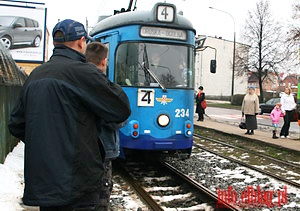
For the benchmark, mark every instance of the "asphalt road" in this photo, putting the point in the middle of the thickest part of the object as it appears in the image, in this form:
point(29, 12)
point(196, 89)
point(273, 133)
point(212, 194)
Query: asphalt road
point(232, 115)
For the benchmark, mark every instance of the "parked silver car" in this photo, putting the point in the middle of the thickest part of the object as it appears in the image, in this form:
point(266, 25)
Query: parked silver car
point(16, 30)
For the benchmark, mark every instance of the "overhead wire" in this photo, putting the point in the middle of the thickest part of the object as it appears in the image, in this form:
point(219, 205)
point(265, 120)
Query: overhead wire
point(101, 7)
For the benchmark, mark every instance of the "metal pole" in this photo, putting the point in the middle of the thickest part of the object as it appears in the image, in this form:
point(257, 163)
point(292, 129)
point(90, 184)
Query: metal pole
point(233, 57)
point(233, 68)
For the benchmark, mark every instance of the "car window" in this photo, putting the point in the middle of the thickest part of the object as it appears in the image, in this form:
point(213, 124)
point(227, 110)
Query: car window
point(29, 23)
point(276, 100)
point(273, 101)
point(36, 24)
point(21, 21)
point(270, 102)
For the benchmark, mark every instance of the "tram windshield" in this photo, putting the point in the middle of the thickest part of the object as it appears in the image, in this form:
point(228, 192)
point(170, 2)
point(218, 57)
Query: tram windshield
point(154, 65)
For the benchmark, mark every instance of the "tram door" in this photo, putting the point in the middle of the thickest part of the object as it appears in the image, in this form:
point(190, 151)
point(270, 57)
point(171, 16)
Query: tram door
point(111, 43)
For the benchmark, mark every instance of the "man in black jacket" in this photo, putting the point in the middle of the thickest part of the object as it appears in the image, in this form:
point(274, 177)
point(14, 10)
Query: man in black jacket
point(55, 117)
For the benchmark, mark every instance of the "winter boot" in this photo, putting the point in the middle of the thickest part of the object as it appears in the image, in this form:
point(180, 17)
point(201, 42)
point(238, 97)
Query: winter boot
point(274, 135)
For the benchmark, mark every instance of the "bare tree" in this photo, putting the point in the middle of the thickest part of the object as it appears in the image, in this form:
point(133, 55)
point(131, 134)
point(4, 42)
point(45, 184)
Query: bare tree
point(293, 39)
point(264, 45)
point(294, 28)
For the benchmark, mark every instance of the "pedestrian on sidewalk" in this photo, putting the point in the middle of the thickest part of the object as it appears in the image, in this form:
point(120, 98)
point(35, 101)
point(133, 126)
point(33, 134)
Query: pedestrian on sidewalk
point(96, 53)
point(55, 116)
point(250, 108)
point(200, 104)
point(276, 113)
point(287, 106)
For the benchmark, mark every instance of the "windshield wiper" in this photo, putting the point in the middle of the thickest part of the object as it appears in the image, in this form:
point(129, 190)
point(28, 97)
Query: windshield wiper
point(145, 66)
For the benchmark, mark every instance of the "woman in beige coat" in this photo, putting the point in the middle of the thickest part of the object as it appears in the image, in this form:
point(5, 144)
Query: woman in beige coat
point(250, 109)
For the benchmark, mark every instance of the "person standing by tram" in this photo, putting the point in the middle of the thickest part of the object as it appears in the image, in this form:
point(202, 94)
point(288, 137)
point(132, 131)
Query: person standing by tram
point(288, 105)
point(200, 104)
point(250, 108)
point(96, 53)
point(55, 116)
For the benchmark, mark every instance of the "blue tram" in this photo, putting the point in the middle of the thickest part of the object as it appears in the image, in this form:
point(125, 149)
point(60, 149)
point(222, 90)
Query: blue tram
point(151, 55)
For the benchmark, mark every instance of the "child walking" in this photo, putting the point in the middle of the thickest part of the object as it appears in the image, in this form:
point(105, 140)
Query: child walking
point(275, 116)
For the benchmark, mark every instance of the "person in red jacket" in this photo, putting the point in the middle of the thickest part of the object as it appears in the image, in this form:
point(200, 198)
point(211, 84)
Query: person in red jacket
point(200, 108)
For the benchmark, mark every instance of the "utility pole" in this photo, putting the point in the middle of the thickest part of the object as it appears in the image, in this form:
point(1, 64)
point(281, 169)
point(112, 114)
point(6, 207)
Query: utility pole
point(233, 56)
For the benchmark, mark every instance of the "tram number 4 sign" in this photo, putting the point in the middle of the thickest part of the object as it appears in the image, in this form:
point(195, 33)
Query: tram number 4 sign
point(165, 13)
point(145, 97)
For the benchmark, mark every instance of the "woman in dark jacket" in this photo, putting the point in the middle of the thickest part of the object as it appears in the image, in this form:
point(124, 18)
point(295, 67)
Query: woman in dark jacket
point(200, 97)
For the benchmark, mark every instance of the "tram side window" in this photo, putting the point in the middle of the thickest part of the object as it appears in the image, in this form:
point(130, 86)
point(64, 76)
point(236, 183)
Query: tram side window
point(125, 65)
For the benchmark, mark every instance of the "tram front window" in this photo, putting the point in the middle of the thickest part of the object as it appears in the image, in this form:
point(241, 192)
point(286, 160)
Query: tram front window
point(154, 65)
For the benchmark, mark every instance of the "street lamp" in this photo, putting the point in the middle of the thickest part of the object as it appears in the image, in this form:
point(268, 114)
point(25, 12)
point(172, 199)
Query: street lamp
point(233, 59)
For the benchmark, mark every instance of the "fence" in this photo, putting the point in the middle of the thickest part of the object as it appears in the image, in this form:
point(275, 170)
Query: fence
point(11, 81)
point(8, 96)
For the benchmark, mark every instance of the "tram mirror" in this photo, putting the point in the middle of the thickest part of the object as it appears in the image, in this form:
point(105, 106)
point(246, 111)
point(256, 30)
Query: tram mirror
point(199, 43)
point(213, 66)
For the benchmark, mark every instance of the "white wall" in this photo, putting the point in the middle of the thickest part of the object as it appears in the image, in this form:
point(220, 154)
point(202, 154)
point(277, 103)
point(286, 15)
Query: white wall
point(218, 84)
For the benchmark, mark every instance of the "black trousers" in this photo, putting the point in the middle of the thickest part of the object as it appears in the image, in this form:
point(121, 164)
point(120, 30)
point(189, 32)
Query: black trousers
point(89, 202)
point(287, 122)
point(201, 113)
point(107, 186)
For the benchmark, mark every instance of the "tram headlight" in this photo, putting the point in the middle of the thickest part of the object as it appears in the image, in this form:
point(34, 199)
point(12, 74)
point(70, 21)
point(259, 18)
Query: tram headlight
point(188, 133)
point(163, 120)
point(188, 128)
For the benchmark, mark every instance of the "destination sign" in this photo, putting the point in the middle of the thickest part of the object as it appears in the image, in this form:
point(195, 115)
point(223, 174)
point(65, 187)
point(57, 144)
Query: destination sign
point(158, 32)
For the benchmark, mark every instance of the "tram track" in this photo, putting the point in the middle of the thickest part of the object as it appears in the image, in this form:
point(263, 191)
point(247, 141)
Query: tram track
point(225, 177)
point(281, 170)
point(217, 174)
point(252, 152)
point(253, 145)
point(162, 187)
point(149, 201)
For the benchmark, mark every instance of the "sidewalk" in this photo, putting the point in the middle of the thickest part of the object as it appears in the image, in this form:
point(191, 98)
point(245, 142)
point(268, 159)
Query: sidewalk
point(263, 134)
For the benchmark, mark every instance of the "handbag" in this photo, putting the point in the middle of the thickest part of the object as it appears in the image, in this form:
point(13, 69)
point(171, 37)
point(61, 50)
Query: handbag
point(294, 116)
point(204, 104)
point(242, 124)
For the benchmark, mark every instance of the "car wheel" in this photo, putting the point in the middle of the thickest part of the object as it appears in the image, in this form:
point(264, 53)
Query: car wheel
point(36, 41)
point(6, 41)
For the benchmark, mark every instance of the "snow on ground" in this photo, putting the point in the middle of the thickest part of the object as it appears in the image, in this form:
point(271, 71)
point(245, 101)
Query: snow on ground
point(12, 180)
point(12, 186)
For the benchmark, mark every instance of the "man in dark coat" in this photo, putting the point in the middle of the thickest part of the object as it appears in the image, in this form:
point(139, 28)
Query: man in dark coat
point(55, 117)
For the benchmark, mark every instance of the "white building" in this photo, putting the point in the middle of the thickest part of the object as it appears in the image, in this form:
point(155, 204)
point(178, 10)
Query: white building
point(218, 85)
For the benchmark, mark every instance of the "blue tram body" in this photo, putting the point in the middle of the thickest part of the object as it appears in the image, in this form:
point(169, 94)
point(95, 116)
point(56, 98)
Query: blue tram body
point(151, 55)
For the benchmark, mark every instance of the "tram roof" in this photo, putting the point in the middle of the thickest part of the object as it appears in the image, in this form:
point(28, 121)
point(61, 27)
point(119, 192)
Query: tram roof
point(141, 18)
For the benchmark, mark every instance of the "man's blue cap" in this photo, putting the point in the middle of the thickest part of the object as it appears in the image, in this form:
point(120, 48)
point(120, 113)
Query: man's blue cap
point(71, 30)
